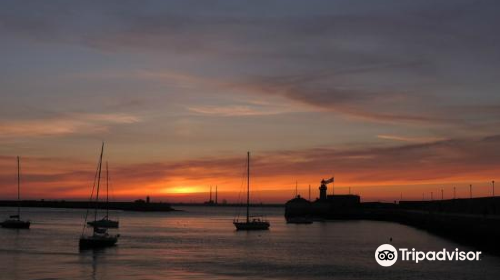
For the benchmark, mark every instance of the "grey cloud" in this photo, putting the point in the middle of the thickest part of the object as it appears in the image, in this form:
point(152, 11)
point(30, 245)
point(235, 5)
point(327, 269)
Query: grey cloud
point(379, 61)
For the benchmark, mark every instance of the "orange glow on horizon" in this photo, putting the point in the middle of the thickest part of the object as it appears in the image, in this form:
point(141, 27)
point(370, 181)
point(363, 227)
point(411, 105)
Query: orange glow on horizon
point(413, 171)
point(180, 190)
point(270, 191)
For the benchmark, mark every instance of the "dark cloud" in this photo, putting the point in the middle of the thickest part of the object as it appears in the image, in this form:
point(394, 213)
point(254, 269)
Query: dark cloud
point(383, 61)
point(333, 34)
point(358, 102)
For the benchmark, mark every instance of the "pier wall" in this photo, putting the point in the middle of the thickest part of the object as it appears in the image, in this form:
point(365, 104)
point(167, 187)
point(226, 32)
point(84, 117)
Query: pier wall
point(128, 206)
point(474, 222)
point(472, 206)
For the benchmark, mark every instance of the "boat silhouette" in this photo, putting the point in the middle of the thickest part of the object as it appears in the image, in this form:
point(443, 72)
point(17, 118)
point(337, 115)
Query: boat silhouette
point(15, 221)
point(250, 223)
point(100, 236)
point(105, 222)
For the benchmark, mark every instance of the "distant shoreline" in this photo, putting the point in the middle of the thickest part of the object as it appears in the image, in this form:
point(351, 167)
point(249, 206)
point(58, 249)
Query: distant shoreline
point(227, 204)
point(139, 206)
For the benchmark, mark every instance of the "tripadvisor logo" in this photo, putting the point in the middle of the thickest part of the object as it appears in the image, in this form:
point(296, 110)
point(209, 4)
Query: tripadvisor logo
point(387, 255)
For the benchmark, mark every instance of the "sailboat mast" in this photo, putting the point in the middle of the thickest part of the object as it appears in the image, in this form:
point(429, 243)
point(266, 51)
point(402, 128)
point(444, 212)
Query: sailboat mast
point(107, 190)
point(248, 187)
point(98, 183)
point(18, 190)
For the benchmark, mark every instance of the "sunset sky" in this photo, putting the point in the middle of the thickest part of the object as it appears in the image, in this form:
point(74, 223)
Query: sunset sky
point(389, 97)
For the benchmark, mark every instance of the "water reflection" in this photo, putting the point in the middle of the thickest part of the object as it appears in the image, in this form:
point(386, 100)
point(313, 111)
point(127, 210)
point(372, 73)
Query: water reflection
point(203, 244)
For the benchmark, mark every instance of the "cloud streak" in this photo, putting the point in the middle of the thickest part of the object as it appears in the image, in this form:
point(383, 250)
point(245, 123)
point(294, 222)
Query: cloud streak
point(410, 139)
point(63, 125)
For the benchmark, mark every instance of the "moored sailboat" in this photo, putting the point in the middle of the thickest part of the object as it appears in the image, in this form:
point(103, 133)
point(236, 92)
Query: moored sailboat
point(100, 236)
point(105, 222)
point(15, 221)
point(250, 223)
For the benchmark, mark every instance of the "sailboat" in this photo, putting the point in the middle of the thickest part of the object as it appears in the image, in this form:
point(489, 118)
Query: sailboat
point(100, 237)
point(251, 223)
point(105, 222)
point(14, 221)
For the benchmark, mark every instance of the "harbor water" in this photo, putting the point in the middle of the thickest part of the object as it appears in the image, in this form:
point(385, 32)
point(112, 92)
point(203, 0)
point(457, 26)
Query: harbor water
point(200, 242)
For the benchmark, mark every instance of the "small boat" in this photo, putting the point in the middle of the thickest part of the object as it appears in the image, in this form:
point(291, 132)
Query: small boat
point(15, 221)
point(100, 237)
point(250, 223)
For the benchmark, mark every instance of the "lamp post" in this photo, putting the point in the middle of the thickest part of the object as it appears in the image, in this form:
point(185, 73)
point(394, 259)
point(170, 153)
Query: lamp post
point(454, 192)
point(493, 185)
point(470, 190)
point(442, 194)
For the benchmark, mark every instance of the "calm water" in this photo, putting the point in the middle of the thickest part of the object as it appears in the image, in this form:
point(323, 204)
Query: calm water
point(201, 243)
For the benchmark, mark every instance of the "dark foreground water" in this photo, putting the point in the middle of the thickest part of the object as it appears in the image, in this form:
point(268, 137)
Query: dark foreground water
point(201, 243)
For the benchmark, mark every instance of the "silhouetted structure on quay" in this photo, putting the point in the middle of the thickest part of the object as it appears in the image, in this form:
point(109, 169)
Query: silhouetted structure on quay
point(343, 206)
point(298, 207)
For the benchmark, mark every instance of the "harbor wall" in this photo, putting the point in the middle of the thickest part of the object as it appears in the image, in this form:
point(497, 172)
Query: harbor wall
point(474, 222)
